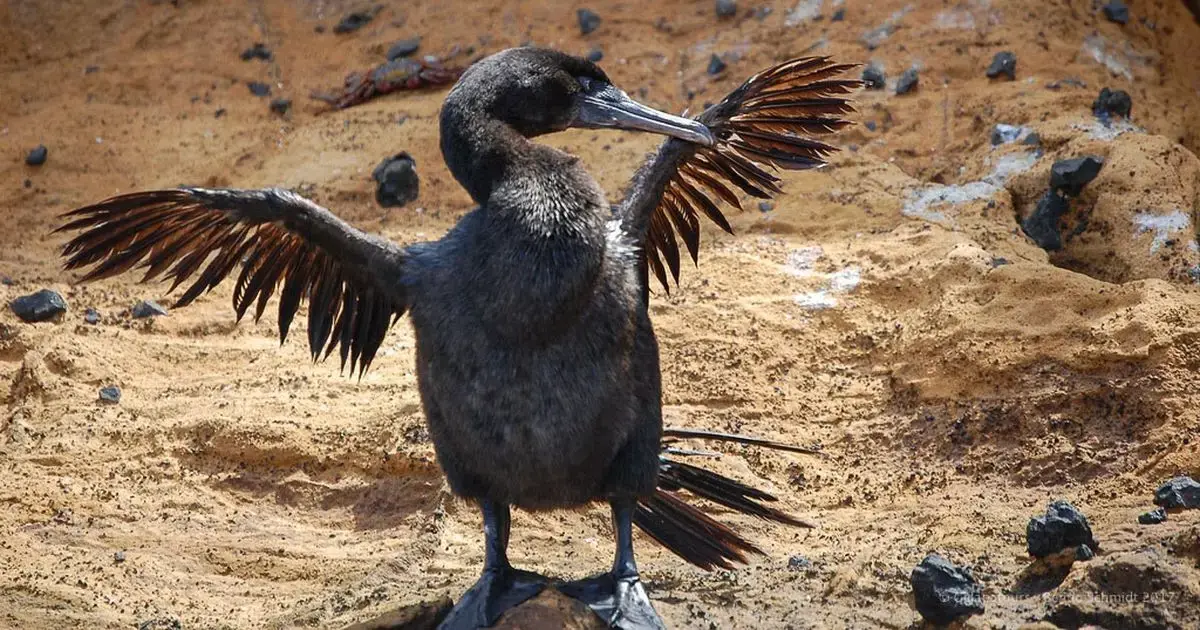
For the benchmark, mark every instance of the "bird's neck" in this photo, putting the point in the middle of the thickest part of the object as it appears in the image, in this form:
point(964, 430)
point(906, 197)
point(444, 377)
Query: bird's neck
point(532, 185)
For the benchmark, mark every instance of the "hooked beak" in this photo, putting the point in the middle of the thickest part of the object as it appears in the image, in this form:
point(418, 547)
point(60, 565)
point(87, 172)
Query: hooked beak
point(610, 107)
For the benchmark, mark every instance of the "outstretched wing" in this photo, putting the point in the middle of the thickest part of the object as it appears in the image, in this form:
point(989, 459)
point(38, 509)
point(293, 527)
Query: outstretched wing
point(765, 122)
point(280, 240)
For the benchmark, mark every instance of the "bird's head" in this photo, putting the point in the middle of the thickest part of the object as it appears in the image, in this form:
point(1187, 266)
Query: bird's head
point(538, 91)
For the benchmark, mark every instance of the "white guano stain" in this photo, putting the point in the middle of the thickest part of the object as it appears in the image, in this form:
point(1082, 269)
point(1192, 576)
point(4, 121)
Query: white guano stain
point(800, 264)
point(922, 203)
point(1162, 225)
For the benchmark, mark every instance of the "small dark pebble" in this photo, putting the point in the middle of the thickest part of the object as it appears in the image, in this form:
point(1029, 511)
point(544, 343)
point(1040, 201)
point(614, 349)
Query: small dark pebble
point(28, 183)
point(838, 15)
point(1062, 527)
point(397, 181)
point(1000, 261)
point(1004, 63)
point(1180, 492)
point(716, 65)
point(119, 557)
point(147, 308)
point(908, 81)
point(281, 106)
point(7, 280)
point(1033, 139)
point(91, 316)
point(1153, 517)
point(870, 124)
point(1112, 103)
point(766, 206)
point(874, 77)
point(91, 69)
point(726, 8)
point(588, 20)
point(110, 394)
point(258, 51)
point(37, 155)
point(219, 113)
point(944, 592)
point(403, 48)
point(1068, 177)
point(799, 563)
point(320, 28)
point(1116, 11)
point(39, 307)
point(259, 88)
point(595, 55)
point(353, 21)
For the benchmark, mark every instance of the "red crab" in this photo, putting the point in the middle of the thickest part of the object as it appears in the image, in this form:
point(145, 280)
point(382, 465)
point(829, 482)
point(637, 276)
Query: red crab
point(391, 76)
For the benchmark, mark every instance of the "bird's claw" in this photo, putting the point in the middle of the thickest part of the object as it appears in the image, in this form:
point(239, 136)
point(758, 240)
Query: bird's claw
point(496, 591)
point(620, 601)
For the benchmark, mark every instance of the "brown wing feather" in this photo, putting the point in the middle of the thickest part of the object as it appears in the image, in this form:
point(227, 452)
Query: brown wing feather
point(760, 124)
point(281, 241)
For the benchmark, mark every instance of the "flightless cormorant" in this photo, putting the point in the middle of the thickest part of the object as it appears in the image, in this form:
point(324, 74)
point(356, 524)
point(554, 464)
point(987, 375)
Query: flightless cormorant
point(537, 365)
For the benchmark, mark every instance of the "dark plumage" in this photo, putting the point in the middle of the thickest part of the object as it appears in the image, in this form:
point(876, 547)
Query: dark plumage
point(536, 359)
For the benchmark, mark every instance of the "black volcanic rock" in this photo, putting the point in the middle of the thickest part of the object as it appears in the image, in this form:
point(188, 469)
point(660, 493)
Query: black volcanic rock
point(874, 77)
point(396, 181)
point(258, 51)
point(403, 48)
point(37, 155)
point(1003, 64)
point(716, 65)
point(1068, 177)
point(588, 20)
point(1116, 11)
point(353, 21)
point(908, 81)
point(147, 308)
point(1112, 103)
point(1062, 527)
point(39, 307)
point(1153, 517)
point(1180, 492)
point(943, 592)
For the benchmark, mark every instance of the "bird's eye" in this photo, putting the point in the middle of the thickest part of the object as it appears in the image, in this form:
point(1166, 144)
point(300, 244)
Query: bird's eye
point(585, 83)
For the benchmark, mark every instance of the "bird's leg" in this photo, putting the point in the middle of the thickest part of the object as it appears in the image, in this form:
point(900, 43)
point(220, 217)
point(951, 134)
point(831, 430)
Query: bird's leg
point(618, 596)
point(501, 587)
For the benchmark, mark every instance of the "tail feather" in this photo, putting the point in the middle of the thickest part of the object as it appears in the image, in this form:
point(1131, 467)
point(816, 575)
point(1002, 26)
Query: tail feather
point(724, 491)
point(674, 432)
point(689, 532)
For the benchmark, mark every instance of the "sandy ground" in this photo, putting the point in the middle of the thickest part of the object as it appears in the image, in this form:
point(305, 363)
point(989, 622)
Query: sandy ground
point(888, 309)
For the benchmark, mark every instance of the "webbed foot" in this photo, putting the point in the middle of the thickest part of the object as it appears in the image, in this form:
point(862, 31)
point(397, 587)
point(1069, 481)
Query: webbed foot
point(620, 601)
point(496, 591)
